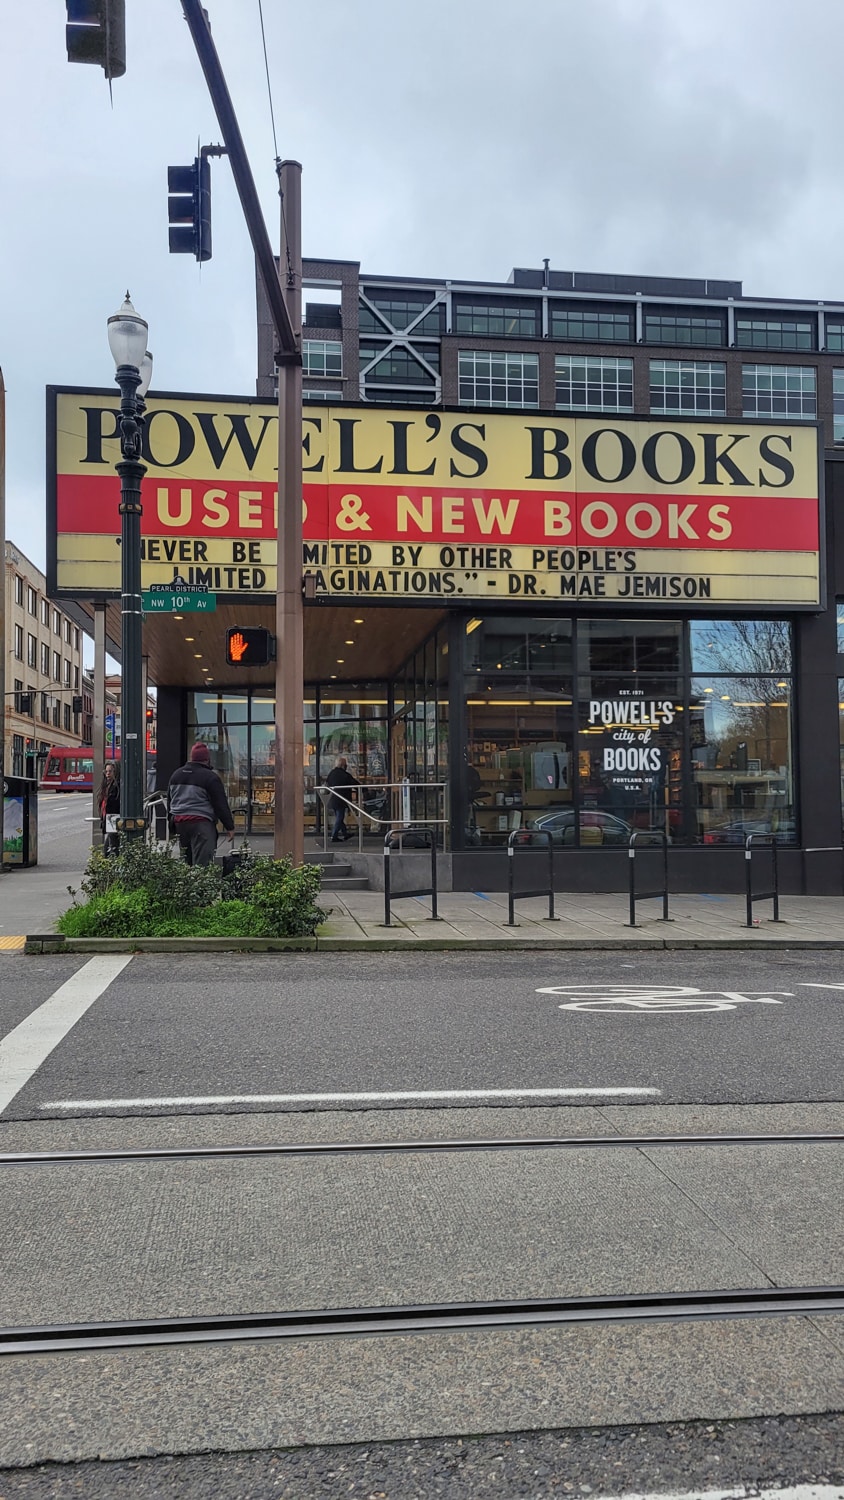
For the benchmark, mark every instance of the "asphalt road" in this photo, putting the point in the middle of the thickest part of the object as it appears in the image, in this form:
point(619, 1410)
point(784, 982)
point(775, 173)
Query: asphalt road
point(320, 1031)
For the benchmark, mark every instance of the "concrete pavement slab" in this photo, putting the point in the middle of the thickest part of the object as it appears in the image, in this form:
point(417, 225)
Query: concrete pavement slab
point(783, 1205)
point(158, 1239)
point(256, 1396)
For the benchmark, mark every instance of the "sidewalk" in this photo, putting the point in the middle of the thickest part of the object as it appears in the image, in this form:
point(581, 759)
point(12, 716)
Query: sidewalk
point(32, 900)
point(477, 919)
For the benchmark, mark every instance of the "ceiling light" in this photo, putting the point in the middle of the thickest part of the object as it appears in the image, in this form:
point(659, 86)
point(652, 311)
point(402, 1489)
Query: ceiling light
point(190, 637)
point(340, 661)
point(350, 643)
point(473, 625)
point(198, 655)
point(178, 617)
point(358, 622)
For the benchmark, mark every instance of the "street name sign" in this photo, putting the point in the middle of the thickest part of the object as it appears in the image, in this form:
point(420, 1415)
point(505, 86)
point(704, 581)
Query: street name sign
point(170, 601)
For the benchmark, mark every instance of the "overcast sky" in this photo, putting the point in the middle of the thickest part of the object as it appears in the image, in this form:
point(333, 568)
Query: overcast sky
point(455, 138)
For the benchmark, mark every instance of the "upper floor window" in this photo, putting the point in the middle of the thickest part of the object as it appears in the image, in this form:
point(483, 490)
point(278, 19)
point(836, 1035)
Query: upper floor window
point(45, 612)
point(67, 717)
point(399, 313)
point(66, 672)
point(592, 324)
point(593, 384)
point(666, 327)
point(45, 659)
point(322, 357)
point(494, 319)
point(775, 333)
point(396, 365)
point(18, 589)
point(57, 667)
point(18, 643)
point(68, 632)
point(76, 679)
point(32, 602)
point(838, 406)
point(57, 622)
point(31, 651)
point(692, 387)
point(497, 379)
point(76, 637)
point(778, 391)
point(835, 335)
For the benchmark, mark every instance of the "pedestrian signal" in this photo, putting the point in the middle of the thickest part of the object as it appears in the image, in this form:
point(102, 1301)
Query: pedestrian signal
point(249, 646)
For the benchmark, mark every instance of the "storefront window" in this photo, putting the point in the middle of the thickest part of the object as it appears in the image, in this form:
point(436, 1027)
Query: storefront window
point(519, 761)
point(630, 757)
point(746, 646)
point(742, 763)
point(630, 645)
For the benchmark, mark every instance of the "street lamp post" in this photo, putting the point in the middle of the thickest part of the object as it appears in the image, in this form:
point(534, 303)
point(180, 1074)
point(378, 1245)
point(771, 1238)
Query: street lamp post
point(127, 337)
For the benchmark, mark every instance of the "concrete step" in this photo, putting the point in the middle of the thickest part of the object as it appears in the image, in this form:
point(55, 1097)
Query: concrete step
point(338, 871)
point(348, 883)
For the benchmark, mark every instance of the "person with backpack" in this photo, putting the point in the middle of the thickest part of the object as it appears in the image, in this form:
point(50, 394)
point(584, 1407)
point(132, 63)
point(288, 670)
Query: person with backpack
point(196, 802)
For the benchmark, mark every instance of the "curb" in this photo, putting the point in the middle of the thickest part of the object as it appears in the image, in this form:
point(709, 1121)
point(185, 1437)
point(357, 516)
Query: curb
point(43, 943)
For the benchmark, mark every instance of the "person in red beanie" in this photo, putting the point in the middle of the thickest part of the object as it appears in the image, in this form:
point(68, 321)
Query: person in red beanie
point(196, 802)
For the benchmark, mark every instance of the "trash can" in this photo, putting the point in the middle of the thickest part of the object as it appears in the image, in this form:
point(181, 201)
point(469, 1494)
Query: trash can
point(20, 822)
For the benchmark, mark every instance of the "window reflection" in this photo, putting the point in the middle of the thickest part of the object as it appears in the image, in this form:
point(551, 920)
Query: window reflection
point(741, 749)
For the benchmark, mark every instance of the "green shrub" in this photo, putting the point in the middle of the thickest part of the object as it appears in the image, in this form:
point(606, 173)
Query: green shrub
point(142, 892)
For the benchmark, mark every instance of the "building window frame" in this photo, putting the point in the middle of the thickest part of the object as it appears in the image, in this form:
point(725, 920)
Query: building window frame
point(761, 332)
point(322, 358)
point(785, 392)
point(592, 323)
point(593, 382)
point(497, 378)
point(692, 327)
point(699, 389)
point(496, 319)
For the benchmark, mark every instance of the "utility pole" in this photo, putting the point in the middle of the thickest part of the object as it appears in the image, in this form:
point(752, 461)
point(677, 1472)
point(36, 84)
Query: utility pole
point(290, 656)
point(2, 575)
point(285, 310)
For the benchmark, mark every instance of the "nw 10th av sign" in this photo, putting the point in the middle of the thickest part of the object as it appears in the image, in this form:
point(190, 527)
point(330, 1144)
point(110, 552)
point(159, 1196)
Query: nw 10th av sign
point(169, 602)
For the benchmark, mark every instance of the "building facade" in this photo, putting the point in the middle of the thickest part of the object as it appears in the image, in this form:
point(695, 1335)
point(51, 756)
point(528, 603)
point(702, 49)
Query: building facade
point(573, 546)
point(44, 696)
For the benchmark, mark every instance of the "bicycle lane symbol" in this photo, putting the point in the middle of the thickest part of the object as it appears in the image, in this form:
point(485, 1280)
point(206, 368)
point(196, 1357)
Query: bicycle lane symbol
point(654, 999)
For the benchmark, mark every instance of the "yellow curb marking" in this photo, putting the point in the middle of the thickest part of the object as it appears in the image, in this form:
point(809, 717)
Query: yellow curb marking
point(10, 944)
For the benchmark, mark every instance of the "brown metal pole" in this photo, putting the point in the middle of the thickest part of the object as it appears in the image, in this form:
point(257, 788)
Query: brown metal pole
point(98, 726)
point(289, 668)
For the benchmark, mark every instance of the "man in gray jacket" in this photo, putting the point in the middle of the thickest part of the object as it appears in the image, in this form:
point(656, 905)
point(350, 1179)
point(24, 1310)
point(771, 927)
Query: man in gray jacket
point(196, 802)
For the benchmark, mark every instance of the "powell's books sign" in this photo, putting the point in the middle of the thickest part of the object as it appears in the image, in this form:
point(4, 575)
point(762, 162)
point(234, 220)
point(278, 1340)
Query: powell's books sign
point(446, 507)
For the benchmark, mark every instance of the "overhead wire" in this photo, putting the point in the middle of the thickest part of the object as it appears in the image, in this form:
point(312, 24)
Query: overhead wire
point(275, 139)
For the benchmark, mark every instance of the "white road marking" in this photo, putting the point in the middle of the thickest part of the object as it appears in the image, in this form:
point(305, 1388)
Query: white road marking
point(794, 1492)
point(367, 1098)
point(681, 999)
point(807, 986)
point(24, 1050)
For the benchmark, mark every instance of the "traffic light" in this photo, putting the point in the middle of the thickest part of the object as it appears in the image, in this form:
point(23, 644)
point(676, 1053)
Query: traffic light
point(249, 646)
point(96, 33)
point(189, 209)
point(25, 704)
point(76, 704)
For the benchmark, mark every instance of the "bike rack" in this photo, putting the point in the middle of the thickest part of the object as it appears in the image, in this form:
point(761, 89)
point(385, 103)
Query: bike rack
point(512, 894)
point(648, 833)
point(429, 890)
point(772, 895)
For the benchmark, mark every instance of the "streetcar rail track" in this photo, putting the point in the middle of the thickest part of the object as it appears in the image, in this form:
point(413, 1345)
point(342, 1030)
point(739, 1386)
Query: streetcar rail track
point(375, 1148)
point(755, 1302)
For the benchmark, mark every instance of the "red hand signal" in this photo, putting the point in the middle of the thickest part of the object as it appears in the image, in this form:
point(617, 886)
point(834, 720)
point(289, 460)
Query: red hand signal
point(237, 646)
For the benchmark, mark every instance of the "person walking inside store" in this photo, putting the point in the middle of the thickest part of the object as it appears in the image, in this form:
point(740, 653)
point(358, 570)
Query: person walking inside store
point(196, 803)
point(108, 802)
point(341, 779)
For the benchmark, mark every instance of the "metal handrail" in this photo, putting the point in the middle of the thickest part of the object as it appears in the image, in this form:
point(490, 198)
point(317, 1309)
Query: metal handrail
point(512, 895)
point(430, 890)
point(324, 792)
point(658, 833)
point(772, 895)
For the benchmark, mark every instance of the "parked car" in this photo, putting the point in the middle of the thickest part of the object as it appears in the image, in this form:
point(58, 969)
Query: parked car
point(736, 833)
point(596, 827)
